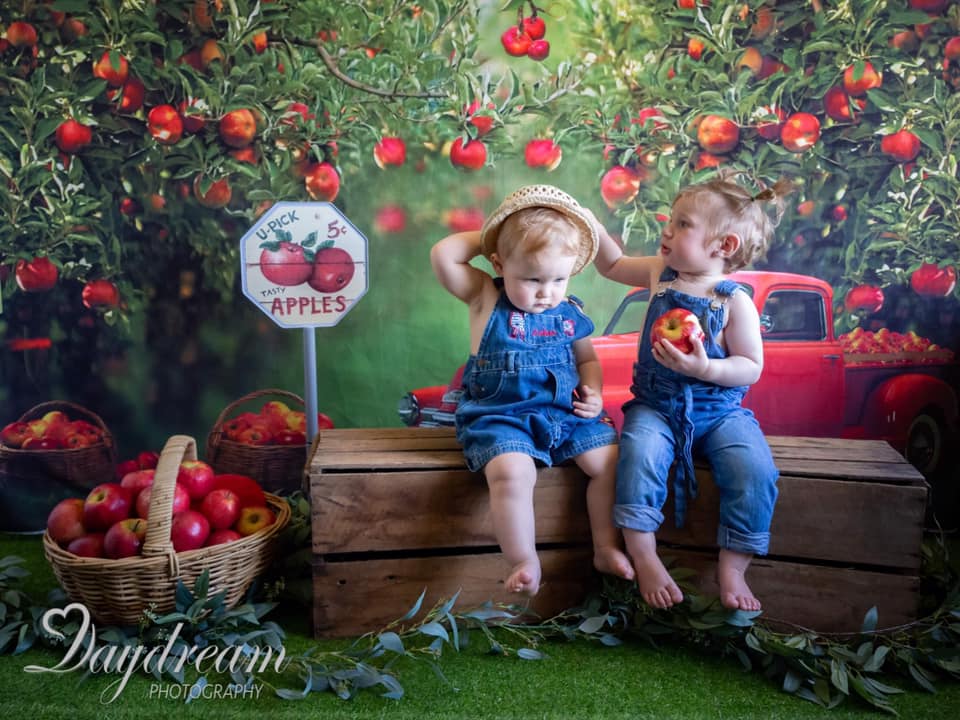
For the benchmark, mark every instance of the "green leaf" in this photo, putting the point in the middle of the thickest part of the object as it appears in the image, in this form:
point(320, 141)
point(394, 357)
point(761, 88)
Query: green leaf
point(530, 654)
point(392, 642)
point(791, 681)
point(838, 676)
point(592, 624)
point(416, 607)
point(434, 629)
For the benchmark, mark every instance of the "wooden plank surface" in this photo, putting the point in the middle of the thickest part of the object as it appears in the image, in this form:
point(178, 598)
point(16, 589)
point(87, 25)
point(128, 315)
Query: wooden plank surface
point(351, 598)
point(434, 509)
point(829, 520)
point(354, 597)
point(824, 599)
point(784, 446)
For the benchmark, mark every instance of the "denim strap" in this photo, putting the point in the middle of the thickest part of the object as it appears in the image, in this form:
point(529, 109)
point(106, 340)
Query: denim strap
point(685, 479)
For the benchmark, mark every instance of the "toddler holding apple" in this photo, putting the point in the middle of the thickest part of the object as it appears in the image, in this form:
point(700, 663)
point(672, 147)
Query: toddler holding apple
point(532, 384)
point(688, 399)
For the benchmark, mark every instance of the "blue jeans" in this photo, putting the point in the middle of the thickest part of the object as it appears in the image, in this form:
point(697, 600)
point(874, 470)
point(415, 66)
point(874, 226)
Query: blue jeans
point(740, 459)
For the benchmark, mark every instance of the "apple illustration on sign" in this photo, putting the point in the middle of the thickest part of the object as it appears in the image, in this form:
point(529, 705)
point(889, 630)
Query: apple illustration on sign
point(677, 327)
point(284, 263)
point(333, 269)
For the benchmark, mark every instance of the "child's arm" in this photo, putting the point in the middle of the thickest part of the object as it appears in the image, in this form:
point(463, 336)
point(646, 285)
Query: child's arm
point(613, 264)
point(589, 391)
point(744, 362)
point(450, 259)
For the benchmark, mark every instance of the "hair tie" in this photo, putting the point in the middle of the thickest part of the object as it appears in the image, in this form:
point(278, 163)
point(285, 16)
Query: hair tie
point(767, 194)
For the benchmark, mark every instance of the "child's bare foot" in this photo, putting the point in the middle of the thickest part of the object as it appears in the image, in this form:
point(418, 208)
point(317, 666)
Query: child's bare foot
point(657, 588)
point(524, 578)
point(613, 561)
point(735, 594)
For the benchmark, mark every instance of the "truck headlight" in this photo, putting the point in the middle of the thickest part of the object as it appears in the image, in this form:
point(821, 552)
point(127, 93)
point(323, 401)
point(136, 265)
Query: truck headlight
point(409, 409)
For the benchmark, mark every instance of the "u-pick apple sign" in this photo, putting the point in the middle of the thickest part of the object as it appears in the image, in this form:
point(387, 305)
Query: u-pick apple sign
point(304, 264)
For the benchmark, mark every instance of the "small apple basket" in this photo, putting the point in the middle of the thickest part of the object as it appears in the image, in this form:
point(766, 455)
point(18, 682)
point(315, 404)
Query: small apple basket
point(78, 453)
point(261, 445)
point(118, 591)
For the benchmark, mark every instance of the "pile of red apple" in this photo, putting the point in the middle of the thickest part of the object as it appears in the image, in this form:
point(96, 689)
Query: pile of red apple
point(885, 340)
point(208, 509)
point(54, 431)
point(275, 424)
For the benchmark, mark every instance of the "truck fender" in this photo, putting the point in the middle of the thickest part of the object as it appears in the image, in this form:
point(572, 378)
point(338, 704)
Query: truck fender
point(892, 406)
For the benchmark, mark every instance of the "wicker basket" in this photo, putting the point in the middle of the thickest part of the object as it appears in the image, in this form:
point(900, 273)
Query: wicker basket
point(32, 481)
point(118, 591)
point(278, 468)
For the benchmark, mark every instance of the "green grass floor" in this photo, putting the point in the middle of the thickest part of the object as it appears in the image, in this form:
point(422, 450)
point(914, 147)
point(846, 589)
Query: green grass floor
point(577, 680)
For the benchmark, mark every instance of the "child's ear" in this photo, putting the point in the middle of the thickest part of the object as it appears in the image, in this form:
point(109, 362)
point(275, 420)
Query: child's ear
point(497, 265)
point(729, 244)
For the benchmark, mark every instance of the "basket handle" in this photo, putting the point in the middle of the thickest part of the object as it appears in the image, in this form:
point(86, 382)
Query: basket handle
point(247, 398)
point(38, 411)
point(157, 541)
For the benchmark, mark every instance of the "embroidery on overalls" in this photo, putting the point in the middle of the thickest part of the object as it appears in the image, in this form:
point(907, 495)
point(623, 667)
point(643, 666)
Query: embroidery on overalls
point(517, 325)
point(568, 328)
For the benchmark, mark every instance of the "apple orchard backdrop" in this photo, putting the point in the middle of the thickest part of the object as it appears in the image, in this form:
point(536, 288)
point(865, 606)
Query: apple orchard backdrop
point(139, 140)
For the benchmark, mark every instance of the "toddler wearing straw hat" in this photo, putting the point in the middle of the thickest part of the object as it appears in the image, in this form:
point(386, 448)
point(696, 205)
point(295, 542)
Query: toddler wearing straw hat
point(532, 384)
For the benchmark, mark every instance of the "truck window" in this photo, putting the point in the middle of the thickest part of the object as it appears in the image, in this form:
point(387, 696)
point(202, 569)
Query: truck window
point(791, 315)
point(627, 318)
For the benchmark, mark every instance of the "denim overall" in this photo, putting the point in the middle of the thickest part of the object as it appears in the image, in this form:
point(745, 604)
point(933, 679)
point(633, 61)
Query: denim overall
point(518, 388)
point(673, 416)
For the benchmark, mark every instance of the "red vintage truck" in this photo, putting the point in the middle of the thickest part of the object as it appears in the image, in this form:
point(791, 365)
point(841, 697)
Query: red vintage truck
point(879, 385)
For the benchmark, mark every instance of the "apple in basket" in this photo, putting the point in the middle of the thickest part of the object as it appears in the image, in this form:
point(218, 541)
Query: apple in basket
point(125, 538)
point(218, 537)
point(137, 480)
point(221, 507)
point(14, 434)
point(246, 488)
point(181, 500)
point(89, 545)
point(189, 530)
point(253, 519)
point(65, 521)
point(106, 504)
point(196, 477)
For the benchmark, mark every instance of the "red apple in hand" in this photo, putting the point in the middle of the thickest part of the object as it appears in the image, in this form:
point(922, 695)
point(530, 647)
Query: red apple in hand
point(221, 507)
point(254, 518)
point(106, 504)
point(88, 545)
point(189, 530)
point(677, 327)
point(181, 500)
point(65, 521)
point(125, 538)
point(196, 477)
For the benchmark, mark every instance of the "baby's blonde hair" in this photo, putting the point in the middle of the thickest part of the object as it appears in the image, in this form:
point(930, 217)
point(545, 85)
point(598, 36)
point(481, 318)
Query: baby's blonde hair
point(532, 230)
point(742, 213)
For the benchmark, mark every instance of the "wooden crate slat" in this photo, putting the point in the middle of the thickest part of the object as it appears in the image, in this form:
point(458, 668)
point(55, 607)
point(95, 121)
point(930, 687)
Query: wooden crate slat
point(829, 520)
point(867, 450)
point(824, 599)
point(384, 459)
point(404, 438)
point(354, 597)
point(880, 447)
point(416, 510)
point(904, 474)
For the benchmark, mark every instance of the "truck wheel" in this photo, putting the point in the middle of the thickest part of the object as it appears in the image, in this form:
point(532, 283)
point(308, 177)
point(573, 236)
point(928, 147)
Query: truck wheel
point(924, 443)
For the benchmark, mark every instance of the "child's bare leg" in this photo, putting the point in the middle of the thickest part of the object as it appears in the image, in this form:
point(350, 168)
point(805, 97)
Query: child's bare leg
point(657, 588)
point(608, 556)
point(511, 478)
point(734, 591)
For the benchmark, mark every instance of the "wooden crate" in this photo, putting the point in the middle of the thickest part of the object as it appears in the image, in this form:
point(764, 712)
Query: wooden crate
point(395, 511)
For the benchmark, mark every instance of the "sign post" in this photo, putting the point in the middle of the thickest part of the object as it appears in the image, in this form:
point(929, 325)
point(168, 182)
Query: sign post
point(304, 264)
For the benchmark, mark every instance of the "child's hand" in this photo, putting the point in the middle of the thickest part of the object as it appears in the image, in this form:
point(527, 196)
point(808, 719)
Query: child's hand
point(694, 364)
point(589, 404)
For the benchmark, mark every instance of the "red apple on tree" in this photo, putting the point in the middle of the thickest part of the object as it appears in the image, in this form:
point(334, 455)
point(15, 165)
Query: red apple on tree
point(539, 50)
point(390, 151)
point(254, 518)
point(677, 327)
point(284, 263)
point(390, 219)
point(903, 146)
point(217, 195)
point(770, 129)
point(87, 545)
point(864, 297)
point(619, 185)
point(322, 181)
point(165, 124)
point(333, 269)
point(471, 155)
point(130, 96)
point(100, 292)
point(542, 154)
point(196, 476)
point(717, 134)
point(112, 67)
point(221, 507)
point(36, 275)
point(800, 132)
point(21, 34)
point(515, 41)
point(933, 281)
point(72, 136)
point(106, 504)
point(237, 128)
point(860, 77)
point(836, 104)
point(189, 530)
point(534, 27)
point(124, 538)
point(65, 521)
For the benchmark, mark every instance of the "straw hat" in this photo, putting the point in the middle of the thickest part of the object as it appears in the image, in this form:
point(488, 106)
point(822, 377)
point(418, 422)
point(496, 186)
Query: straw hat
point(542, 196)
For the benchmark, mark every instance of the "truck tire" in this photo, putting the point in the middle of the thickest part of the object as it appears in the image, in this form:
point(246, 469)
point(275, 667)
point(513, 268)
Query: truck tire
point(924, 448)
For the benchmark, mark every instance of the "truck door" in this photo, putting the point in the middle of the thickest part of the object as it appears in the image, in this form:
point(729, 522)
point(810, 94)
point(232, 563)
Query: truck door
point(801, 389)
